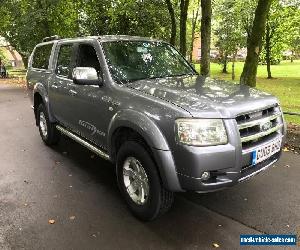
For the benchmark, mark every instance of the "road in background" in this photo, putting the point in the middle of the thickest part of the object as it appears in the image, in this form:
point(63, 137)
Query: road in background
point(78, 190)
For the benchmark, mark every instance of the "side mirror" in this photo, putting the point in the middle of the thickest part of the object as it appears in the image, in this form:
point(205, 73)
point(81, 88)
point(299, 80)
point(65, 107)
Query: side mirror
point(85, 76)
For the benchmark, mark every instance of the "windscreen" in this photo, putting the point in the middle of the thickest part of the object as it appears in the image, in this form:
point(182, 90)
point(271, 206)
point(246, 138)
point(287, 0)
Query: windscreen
point(136, 60)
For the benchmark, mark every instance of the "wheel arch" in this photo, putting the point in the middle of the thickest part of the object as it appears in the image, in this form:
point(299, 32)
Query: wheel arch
point(146, 131)
point(141, 124)
point(40, 95)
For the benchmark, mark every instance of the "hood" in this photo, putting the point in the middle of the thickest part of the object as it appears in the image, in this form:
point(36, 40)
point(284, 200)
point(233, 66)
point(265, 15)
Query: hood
point(206, 97)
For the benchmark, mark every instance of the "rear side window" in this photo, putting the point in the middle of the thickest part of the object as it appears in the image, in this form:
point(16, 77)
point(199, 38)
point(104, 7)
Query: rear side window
point(41, 56)
point(63, 66)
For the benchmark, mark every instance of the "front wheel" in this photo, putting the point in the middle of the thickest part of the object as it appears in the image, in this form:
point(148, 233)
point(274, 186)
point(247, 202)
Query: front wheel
point(140, 183)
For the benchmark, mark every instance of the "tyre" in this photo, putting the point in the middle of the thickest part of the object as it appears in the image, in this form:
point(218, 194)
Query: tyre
point(140, 183)
point(48, 132)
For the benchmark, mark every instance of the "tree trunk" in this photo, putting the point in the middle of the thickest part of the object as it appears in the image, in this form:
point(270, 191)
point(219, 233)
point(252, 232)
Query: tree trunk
point(225, 63)
point(173, 22)
point(194, 22)
point(268, 51)
point(24, 59)
point(184, 5)
point(206, 11)
point(233, 66)
point(292, 56)
point(248, 76)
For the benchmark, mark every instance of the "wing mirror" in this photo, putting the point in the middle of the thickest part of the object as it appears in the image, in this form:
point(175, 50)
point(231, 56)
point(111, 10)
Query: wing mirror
point(86, 76)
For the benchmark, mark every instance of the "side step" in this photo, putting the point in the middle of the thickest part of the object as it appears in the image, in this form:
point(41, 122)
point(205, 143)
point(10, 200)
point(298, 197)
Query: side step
point(83, 142)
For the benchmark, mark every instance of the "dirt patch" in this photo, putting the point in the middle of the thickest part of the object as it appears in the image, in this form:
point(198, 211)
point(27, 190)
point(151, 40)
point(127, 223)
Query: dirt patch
point(293, 138)
point(15, 81)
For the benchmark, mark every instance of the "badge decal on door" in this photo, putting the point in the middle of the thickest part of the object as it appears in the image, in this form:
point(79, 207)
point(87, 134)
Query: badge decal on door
point(91, 127)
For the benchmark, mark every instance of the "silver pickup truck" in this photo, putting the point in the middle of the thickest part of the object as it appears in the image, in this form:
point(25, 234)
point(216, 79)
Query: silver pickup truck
point(139, 104)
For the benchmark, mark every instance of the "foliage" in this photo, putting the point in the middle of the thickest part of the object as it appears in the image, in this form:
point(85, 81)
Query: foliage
point(2, 57)
point(229, 29)
point(26, 22)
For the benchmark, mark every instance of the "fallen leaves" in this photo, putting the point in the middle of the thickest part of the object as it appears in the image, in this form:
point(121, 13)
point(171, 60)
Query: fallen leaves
point(51, 221)
point(293, 138)
point(285, 149)
point(216, 245)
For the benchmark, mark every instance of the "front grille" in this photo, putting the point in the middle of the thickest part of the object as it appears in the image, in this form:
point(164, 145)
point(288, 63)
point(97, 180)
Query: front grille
point(259, 126)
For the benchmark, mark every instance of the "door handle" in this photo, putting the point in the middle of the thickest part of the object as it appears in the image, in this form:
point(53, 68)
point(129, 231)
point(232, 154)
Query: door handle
point(72, 92)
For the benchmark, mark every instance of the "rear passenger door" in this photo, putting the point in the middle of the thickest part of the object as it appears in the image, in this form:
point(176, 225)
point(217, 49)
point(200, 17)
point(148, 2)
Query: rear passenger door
point(61, 87)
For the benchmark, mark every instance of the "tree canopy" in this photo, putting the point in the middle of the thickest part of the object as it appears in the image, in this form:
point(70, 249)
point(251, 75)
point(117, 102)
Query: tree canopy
point(226, 24)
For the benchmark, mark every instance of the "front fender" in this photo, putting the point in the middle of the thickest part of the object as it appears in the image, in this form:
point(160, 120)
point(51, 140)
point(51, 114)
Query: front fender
point(147, 128)
point(140, 123)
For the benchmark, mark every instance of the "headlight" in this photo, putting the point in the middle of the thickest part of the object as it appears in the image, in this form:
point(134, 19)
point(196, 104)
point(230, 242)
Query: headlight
point(201, 132)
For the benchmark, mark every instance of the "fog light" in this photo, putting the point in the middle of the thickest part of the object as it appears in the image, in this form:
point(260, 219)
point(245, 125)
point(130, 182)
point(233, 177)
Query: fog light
point(205, 176)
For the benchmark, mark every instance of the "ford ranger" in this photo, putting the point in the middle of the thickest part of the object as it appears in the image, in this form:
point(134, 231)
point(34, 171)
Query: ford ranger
point(138, 103)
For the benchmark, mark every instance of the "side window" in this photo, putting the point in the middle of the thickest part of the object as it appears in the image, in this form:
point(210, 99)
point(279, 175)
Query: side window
point(63, 66)
point(87, 57)
point(41, 56)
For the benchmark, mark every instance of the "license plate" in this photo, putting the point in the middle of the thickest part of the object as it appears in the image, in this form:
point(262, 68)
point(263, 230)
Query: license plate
point(264, 152)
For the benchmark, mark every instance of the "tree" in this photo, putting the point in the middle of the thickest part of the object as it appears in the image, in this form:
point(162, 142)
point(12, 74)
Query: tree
point(24, 23)
point(28, 22)
point(274, 36)
point(254, 43)
point(291, 25)
point(206, 12)
point(229, 32)
point(194, 24)
point(173, 21)
point(184, 5)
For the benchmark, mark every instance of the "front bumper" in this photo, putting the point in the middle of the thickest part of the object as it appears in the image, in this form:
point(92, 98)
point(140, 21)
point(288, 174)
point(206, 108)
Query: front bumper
point(228, 164)
point(225, 178)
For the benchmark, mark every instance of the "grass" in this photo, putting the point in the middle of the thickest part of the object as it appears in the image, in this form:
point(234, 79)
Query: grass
point(285, 83)
point(19, 72)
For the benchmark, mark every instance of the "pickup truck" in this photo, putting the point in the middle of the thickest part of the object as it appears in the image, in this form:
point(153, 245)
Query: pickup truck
point(138, 103)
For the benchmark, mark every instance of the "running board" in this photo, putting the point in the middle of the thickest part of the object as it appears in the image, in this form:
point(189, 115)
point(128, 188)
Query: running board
point(83, 142)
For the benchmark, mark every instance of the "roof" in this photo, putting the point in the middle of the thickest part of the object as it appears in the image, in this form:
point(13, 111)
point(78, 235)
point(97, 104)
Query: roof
point(105, 38)
point(124, 38)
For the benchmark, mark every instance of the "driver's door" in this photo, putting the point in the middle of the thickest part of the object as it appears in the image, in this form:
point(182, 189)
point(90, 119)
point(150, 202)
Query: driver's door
point(91, 109)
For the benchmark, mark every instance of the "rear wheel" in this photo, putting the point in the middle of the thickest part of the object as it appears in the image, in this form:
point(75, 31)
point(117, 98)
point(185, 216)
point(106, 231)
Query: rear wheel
point(140, 183)
point(48, 131)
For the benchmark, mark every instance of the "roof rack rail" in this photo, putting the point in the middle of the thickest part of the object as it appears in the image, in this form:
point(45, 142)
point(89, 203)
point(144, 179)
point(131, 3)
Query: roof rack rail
point(51, 38)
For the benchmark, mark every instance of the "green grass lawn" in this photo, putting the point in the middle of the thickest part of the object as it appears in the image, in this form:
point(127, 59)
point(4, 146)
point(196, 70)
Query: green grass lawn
point(285, 83)
point(16, 72)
